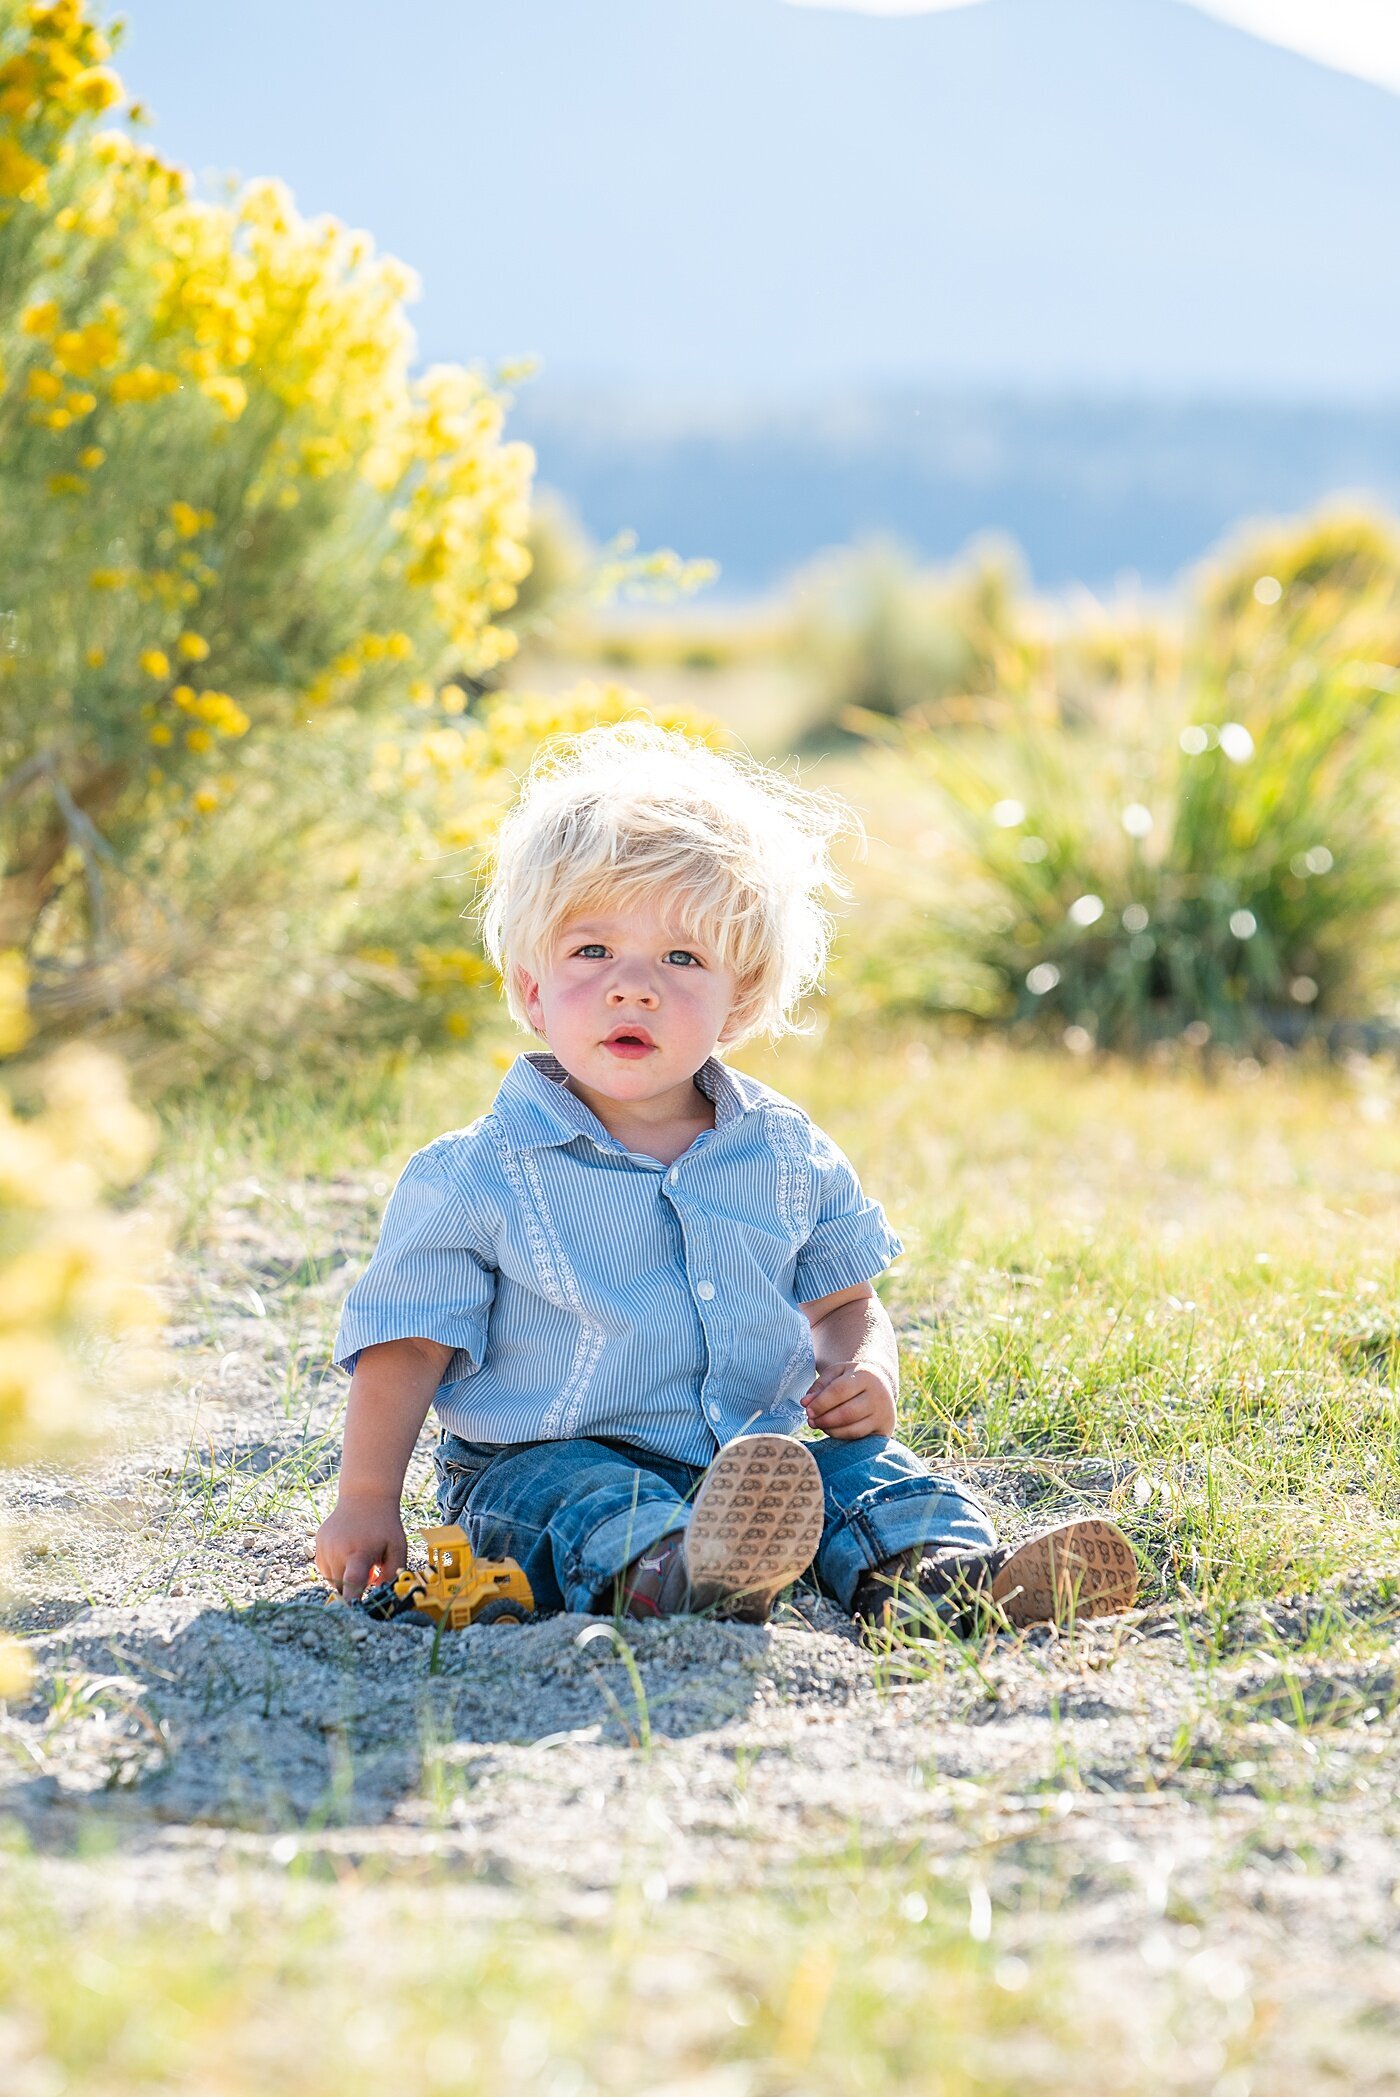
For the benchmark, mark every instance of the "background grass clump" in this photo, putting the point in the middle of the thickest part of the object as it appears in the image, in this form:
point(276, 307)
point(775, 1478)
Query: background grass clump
point(1137, 842)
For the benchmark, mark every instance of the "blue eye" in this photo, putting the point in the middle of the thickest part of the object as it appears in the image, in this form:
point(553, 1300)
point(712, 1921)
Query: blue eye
point(595, 946)
point(683, 955)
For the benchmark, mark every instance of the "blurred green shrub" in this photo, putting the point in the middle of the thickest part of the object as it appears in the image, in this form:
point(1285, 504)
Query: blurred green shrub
point(329, 913)
point(1212, 851)
point(874, 632)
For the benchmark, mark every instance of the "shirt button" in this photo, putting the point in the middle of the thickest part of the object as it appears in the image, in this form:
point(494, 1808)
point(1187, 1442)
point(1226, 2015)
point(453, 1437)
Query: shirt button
point(704, 1290)
point(673, 1175)
point(714, 1412)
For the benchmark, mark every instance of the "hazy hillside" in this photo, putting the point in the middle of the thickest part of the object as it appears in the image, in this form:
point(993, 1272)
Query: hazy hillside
point(1088, 488)
point(798, 275)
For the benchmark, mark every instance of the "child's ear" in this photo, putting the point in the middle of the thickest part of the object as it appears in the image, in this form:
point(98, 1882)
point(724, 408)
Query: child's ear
point(530, 998)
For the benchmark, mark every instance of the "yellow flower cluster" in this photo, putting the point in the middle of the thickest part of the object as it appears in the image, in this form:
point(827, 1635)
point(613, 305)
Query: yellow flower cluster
point(14, 1002)
point(83, 352)
point(67, 1268)
point(218, 711)
point(466, 517)
point(370, 650)
point(251, 293)
point(55, 78)
point(274, 355)
point(304, 303)
point(142, 383)
point(188, 521)
point(449, 968)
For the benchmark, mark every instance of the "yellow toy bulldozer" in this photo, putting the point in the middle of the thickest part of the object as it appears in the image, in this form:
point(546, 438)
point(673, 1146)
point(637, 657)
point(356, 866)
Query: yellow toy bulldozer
point(458, 1587)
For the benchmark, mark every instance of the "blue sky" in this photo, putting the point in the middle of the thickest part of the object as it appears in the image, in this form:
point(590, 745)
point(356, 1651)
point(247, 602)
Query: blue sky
point(716, 198)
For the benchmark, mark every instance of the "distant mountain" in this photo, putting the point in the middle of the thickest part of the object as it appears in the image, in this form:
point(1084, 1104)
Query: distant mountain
point(798, 276)
point(1075, 194)
point(1088, 488)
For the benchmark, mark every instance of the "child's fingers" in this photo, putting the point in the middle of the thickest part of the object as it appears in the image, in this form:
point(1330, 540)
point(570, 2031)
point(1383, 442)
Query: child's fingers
point(844, 1372)
point(845, 1385)
point(835, 1374)
point(358, 1567)
point(854, 1418)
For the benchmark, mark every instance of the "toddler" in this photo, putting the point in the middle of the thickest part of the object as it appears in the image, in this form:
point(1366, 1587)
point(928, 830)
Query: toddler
point(633, 1285)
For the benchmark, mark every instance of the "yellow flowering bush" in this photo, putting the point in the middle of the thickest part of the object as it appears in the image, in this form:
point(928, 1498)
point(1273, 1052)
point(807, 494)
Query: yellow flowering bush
point(229, 515)
point(70, 1271)
point(340, 926)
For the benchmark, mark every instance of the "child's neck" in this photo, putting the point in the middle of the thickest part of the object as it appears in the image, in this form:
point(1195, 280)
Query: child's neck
point(661, 1128)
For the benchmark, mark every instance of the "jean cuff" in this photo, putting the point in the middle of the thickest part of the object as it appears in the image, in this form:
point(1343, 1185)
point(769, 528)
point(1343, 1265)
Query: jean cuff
point(612, 1545)
point(921, 1512)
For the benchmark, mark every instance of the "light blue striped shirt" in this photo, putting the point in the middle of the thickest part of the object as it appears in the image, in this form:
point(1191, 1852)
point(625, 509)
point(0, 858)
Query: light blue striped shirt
point(589, 1290)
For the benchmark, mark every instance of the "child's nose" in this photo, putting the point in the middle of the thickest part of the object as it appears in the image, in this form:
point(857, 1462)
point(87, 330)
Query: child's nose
point(633, 990)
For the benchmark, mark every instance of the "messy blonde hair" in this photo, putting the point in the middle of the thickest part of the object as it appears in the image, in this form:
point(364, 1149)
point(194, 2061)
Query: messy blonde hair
point(743, 855)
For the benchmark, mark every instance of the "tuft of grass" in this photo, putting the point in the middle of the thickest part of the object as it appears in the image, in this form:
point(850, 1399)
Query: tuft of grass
point(868, 1973)
point(1207, 843)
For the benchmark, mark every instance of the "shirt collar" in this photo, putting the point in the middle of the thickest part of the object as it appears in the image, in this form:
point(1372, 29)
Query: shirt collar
point(536, 1108)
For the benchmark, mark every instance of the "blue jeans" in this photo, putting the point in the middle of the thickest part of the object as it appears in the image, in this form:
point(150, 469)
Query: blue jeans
point(575, 1513)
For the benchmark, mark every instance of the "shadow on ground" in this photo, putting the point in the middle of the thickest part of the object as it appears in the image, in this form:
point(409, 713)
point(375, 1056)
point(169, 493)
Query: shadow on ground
point(296, 1714)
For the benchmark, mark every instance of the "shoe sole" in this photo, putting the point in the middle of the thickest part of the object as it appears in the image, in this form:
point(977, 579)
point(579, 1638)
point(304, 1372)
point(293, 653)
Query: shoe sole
point(754, 1526)
point(1078, 1570)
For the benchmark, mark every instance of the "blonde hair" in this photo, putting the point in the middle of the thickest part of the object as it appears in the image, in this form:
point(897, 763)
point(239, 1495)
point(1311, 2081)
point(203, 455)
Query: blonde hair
point(743, 855)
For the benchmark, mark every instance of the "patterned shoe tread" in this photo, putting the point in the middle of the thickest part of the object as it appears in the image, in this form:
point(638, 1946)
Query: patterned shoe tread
point(756, 1523)
point(1079, 1569)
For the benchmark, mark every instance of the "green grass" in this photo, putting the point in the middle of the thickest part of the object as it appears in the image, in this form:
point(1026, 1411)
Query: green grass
point(1171, 1291)
point(872, 1973)
point(1167, 1291)
point(1188, 1281)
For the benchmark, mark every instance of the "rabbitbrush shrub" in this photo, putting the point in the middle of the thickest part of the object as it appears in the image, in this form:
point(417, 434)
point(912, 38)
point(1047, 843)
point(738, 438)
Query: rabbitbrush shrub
point(1214, 848)
point(232, 524)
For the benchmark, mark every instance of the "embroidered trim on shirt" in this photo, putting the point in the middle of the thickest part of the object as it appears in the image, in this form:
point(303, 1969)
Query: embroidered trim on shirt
point(565, 1408)
point(787, 1140)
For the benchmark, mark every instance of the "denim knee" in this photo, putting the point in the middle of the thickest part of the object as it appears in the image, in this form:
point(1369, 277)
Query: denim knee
point(573, 1513)
point(881, 1499)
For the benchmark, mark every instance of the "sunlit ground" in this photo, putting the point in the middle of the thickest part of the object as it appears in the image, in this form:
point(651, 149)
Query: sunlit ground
point(1177, 1285)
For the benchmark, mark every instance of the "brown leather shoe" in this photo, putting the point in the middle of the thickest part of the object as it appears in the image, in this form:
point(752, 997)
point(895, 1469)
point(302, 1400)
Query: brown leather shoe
point(754, 1527)
point(1072, 1571)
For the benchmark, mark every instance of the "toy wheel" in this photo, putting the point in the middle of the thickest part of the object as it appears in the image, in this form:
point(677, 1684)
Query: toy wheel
point(502, 1612)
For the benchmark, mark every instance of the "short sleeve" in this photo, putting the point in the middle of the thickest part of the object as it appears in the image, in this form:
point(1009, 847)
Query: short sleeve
point(431, 1277)
point(850, 1240)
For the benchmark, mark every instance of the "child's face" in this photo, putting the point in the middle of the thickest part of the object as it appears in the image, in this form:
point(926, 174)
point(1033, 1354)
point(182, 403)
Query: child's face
point(628, 1003)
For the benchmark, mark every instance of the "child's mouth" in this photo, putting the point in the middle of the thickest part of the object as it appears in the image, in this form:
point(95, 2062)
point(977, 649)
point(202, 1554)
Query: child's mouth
point(628, 1045)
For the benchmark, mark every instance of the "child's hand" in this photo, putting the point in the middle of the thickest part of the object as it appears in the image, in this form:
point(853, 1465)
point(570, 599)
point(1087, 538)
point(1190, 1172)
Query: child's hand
point(363, 1534)
point(850, 1399)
